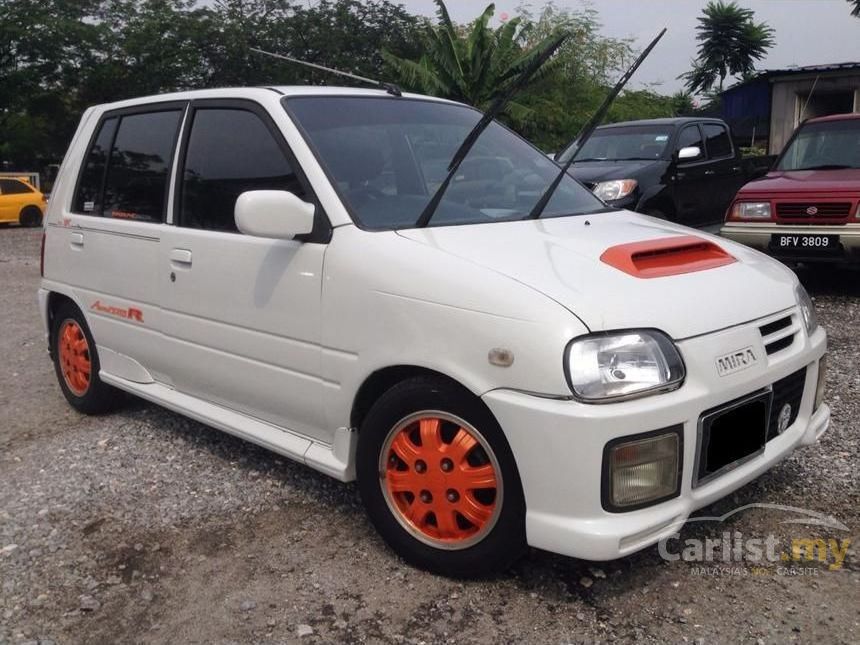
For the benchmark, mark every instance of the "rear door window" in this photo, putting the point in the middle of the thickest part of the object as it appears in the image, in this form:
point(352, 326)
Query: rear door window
point(717, 141)
point(136, 182)
point(229, 151)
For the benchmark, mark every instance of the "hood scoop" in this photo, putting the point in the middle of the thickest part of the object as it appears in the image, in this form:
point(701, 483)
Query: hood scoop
point(666, 256)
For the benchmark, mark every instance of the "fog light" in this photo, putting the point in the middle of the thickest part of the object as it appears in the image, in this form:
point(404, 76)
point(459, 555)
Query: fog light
point(819, 387)
point(642, 471)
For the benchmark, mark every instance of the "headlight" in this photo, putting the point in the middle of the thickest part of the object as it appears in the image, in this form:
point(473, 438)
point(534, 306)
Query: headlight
point(615, 189)
point(751, 210)
point(807, 309)
point(621, 365)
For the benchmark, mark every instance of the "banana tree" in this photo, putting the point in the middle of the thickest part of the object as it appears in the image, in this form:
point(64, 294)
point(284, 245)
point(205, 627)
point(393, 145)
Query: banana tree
point(473, 64)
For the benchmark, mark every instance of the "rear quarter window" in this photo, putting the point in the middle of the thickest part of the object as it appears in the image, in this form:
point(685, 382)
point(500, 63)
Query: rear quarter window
point(88, 194)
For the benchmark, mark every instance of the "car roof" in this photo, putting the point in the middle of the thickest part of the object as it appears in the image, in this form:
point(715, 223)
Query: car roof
point(835, 117)
point(670, 121)
point(256, 92)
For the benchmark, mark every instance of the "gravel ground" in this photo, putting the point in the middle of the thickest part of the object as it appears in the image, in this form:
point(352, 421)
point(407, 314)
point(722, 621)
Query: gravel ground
point(143, 526)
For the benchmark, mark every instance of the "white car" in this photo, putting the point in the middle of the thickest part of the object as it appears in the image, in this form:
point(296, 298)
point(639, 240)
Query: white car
point(580, 382)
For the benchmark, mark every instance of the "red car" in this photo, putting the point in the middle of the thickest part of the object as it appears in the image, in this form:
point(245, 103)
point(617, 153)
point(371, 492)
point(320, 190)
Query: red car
point(808, 207)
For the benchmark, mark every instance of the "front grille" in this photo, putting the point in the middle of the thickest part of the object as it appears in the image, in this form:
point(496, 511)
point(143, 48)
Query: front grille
point(778, 334)
point(813, 210)
point(788, 390)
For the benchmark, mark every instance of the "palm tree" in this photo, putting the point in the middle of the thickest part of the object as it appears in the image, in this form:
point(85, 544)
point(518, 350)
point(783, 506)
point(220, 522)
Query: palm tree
point(730, 43)
point(472, 64)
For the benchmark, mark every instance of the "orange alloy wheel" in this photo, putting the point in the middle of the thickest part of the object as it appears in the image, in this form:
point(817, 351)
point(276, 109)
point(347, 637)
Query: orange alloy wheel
point(74, 355)
point(441, 480)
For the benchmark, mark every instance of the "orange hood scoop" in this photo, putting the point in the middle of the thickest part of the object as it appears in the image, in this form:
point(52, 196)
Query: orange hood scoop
point(666, 256)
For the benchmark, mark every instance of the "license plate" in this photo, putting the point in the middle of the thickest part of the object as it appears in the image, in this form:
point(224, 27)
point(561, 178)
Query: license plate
point(731, 434)
point(804, 242)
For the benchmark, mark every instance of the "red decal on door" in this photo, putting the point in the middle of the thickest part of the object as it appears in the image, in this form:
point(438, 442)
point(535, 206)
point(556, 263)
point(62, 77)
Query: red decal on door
point(132, 313)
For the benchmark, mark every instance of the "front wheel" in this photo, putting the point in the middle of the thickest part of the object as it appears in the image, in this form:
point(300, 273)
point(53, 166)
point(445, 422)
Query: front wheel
point(439, 482)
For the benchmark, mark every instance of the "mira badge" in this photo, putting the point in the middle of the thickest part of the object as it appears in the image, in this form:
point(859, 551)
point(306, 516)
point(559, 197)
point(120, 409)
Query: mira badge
point(736, 361)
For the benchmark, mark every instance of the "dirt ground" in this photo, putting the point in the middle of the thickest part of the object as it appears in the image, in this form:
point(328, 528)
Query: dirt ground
point(145, 527)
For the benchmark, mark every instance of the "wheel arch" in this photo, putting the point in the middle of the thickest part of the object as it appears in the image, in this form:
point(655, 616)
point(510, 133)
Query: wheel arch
point(54, 301)
point(382, 380)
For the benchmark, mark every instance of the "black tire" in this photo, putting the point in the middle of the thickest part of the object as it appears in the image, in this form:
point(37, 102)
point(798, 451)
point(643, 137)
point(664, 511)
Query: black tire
point(503, 541)
point(97, 397)
point(30, 217)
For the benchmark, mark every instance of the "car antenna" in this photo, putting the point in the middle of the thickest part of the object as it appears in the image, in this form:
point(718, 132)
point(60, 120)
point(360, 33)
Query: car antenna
point(589, 128)
point(496, 108)
point(391, 88)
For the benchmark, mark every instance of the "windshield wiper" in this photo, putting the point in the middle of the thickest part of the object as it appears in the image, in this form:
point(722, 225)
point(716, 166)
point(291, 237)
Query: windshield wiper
point(495, 109)
point(827, 166)
point(589, 128)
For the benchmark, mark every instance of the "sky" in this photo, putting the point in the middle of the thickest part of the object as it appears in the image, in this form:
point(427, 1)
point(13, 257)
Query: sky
point(808, 32)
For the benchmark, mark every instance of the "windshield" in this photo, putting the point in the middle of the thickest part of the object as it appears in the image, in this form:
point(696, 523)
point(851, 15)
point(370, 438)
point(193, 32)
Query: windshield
point(824, 145)
point(387, 157)
point(621, 143)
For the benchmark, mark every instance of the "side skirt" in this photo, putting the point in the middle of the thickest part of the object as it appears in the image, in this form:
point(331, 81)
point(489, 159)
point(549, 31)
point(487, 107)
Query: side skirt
point(333, 460)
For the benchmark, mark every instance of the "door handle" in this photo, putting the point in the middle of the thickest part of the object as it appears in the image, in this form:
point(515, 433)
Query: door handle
point(76, 239)
point(181, 257)
point(710, 172)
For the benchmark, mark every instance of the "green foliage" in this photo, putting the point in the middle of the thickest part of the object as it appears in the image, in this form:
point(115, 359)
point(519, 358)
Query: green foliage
point(683, 104)
point(855, 8)
point(730, 44)
point(58, 57)
point(472, 65)
point(753, 151)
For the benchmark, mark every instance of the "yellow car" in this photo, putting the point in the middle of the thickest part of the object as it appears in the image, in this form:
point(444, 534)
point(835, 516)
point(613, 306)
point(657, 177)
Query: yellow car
point(20, 202)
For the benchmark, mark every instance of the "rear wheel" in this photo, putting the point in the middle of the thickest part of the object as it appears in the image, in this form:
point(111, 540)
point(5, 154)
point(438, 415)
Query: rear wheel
point(76, 362)
point(439, 480)
point(30, 217)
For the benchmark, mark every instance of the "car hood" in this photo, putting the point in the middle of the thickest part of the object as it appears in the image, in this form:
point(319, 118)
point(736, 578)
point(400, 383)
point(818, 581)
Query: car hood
point(846, 180)
point(560, 257)
point(591, 172)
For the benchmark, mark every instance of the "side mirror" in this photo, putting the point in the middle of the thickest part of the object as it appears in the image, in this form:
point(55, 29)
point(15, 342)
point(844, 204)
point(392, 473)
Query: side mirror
point(273, 213)
point(690, 152)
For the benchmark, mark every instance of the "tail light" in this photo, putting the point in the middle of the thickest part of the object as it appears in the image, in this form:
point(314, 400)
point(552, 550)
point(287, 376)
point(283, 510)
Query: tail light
point(42, 257)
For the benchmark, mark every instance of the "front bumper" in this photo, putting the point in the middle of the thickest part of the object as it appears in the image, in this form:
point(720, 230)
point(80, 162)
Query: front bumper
point(558, 444)
point(758, 236)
